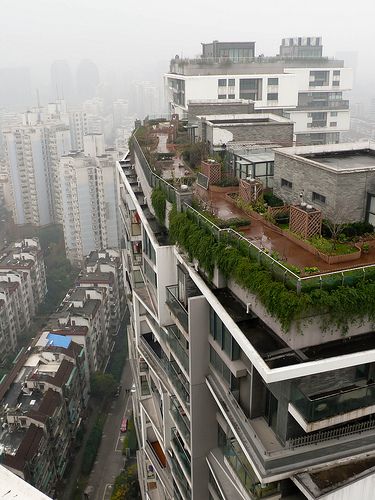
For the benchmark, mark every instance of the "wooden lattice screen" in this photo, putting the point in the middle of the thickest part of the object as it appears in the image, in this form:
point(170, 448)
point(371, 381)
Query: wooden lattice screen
point(212, 169)
point(276, 211)
point(305, 222)
point(250, 191)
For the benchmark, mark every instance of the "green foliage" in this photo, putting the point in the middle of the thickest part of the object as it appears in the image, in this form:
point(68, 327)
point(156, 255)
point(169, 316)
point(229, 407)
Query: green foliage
point(194, 154)
point(339, 306)
point(351, 231)
point(118, 356)
point(102, 385)
point(310, 270)
point(227, 182)
point(330, 247)
point(130, 441)
point(365, 248)
point(126, 485)
point(92, 446)
point(159, 203)
point(272, 200)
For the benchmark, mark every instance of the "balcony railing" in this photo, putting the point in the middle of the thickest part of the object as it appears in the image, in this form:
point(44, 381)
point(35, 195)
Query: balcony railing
point(176, 306)
point(179, 383)
point(180, 419)
point(326, 105)
point(181, 452)
point(245, 472)
point(175, 344)
point(344, 401)
point(183, 484)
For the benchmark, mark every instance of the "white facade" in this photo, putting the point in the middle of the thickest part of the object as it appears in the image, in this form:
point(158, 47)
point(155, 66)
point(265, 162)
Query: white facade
point(32, 154)
point(89, 194)
point(282, 89)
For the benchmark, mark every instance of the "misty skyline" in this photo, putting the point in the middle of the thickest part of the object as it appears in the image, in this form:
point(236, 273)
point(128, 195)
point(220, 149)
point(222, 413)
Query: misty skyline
point(136, 41)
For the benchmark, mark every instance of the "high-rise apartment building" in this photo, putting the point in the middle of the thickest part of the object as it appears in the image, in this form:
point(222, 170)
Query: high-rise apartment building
point(245, 386)
point(299, 83)
point(89, 194)
point(32, 153)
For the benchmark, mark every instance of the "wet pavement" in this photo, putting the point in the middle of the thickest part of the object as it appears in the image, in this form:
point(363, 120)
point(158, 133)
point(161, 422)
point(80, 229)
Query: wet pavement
point(266, 238)
point(177, 167)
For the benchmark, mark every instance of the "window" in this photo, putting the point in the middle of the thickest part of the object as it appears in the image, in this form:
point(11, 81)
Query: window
point(251, 88)
point(333, 113)
point(222, 82)
point(231, 82)
point(318, 197)
point(273, 81)
point(148, 249)
point(336, 83)
point(336, 72)
point(231, 96)
point(286, 183)
point(222, 96)
point(272, 96)
point(333, 124)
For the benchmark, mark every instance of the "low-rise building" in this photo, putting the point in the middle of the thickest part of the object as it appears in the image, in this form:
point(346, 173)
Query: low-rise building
point(339, 179)
point(43, 400)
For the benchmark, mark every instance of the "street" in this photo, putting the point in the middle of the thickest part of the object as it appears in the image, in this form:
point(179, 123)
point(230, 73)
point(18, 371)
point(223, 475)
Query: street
point(110, 459)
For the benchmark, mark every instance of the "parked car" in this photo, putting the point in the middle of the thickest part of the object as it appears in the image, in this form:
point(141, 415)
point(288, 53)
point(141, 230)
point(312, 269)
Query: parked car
point(124, 425)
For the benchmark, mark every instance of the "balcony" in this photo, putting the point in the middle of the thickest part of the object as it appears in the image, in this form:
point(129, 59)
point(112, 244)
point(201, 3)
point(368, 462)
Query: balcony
point(336, 406)
point(180, 478)
point(158, 460)
point(175, 343)
point(324, 105)
point(152, 355)
point(176, 307)
point(150, 408)
point(182, 454)
point(180, 418)
point(180, 384)
point(245, 473)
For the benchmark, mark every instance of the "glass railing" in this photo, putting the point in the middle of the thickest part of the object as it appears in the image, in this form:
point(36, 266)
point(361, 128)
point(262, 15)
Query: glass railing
point(245, 472)
point(176, 307)
point(343, 401)
point(183, 455)
point(175, 344)
point(179, 382)
point(181, 420)
point(183, 484)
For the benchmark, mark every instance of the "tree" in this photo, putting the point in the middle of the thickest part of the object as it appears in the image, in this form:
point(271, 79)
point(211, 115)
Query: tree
point(102, 385)
point(126, 485)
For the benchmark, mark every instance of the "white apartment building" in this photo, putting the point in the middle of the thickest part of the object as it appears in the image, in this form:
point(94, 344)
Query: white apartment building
point(89, 199)
point(22, 289)
point(307, 89)
point(32, 158)
point(230, 402)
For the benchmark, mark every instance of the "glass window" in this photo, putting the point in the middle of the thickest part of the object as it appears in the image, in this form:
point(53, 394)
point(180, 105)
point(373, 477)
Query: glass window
point(318, 197)
point(231, 82)
point(336, 72)
point(333, 113)
point(286, 183)
point(231, 96)
point(222, 96)
point(333, 124)
point(222, 82)
point(273, 96)
point(336, 83)
point(273, 81)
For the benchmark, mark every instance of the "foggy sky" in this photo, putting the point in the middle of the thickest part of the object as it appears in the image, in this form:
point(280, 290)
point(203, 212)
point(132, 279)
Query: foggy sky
point(123, 36)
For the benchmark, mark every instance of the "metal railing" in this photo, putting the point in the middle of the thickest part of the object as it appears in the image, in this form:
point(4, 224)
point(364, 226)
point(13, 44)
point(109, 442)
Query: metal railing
point(181, 452)
point(331, 434)
point(280, 272)
point(152, 178)
point(176, 306)
point(181, 420)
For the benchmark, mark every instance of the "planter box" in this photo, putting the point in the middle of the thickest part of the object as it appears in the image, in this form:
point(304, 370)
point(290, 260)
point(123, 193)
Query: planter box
point(222, 189)
point(330, 259)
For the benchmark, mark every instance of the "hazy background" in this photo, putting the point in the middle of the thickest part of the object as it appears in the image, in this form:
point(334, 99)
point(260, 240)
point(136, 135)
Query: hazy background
point(133, 41)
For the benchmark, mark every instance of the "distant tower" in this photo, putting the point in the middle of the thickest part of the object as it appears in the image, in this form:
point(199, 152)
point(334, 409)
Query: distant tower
point(87, 79)
point(61, 81)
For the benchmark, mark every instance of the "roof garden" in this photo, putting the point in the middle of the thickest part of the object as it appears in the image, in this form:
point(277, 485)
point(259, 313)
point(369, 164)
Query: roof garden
point(289, 281)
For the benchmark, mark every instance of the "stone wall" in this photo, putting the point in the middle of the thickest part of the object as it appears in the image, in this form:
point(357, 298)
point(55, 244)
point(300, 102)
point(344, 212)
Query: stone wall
point(346, 193)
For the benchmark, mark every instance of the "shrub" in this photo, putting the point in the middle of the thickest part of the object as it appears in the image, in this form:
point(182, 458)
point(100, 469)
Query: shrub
point(272, 200)
point(92, 446)
point(159, 203)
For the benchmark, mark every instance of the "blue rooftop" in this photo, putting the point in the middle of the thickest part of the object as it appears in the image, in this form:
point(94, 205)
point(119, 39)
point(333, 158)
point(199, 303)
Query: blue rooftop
point(56, 340)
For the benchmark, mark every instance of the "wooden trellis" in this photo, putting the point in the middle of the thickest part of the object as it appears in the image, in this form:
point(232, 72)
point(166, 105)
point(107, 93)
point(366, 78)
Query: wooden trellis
point(277, 211)
point(306, 222)
point(211, 169)
point(250, 191)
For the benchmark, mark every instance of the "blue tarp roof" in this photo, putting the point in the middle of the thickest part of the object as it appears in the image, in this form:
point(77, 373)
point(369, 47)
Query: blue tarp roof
point(58, 340)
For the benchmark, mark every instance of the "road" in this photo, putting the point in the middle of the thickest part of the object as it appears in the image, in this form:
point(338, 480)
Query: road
point(110, 459)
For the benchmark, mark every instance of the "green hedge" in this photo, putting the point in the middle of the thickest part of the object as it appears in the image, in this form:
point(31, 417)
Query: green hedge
point(344, 304)
point(92, 446)
point(159, 203)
